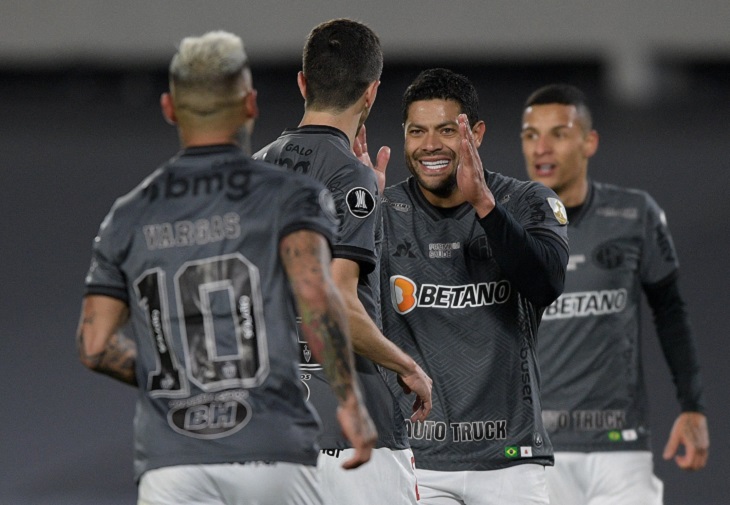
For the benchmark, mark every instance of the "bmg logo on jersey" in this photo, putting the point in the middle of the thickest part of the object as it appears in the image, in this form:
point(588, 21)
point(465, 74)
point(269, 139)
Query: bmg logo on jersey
point(233, 183)
point(406, 295)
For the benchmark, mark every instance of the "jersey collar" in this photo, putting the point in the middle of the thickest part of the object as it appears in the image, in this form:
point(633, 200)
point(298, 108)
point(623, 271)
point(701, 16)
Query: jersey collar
point(319, 130)
point(211, 149)
point(435, 213)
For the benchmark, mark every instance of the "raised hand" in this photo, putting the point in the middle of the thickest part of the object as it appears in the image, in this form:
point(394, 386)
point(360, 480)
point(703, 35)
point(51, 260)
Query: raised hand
point(360, 148)
point(470, 173)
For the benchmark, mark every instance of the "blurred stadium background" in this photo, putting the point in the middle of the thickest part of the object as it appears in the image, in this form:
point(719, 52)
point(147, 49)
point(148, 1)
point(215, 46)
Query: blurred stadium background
point(79, 88)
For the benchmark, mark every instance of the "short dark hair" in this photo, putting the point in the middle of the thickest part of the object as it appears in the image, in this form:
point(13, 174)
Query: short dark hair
point(563, 94)
point(443, 84)
point(341, 59)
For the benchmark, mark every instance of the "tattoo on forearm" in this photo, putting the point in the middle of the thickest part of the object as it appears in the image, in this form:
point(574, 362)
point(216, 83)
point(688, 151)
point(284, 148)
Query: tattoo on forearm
point(117, 360)
point(333, 351)
point(321, 324)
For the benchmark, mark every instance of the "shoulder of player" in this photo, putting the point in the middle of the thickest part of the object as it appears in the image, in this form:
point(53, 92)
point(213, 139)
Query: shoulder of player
point(125, 210)
point(626, 196)
point(352, 177)
point(146, 190)
point(510, 191)
point(351, 168)
point(397, 193)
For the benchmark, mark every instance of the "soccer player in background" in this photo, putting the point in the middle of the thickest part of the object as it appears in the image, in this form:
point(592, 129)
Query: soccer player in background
point(341, 66)
point(210, 259)
point(594, 397)
point(470, 260)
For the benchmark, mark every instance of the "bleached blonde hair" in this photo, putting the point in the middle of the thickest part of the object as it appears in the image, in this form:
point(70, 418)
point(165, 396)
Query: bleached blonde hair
point(206, 72)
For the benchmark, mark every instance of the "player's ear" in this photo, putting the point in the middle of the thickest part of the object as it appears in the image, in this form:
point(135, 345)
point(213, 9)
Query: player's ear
point(478, 131)
point(370, 93)
point(168, 108)
point(302, 83)
point(251, 106)
point(590, 144)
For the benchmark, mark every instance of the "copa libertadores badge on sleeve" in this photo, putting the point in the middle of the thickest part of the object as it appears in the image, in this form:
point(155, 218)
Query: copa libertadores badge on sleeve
point(559, 210)
point(360, 202)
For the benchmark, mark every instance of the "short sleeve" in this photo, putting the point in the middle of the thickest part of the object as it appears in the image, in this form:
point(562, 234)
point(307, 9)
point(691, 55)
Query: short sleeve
point(357, 201)
point(105, 276)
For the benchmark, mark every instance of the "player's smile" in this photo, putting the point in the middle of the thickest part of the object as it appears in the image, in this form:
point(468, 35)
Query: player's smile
point(434, 166)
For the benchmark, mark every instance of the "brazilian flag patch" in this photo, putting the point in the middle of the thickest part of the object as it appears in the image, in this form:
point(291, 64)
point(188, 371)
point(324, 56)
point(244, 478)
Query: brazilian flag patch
point(614, 436)
point(511, 451)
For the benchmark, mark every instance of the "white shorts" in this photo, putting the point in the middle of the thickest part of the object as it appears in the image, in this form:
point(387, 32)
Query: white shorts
point(387, 479)
point(604, 478)
point(519, 484)
point(231, 484)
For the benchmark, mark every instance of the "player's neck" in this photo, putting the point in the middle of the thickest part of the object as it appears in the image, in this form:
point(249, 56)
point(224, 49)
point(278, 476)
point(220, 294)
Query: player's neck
point(574, 194)
point(198, 139)
point(346, 121)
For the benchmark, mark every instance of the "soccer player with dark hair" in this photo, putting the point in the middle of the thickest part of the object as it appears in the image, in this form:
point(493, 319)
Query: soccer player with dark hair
point(208, 261)
point(594, 396)
point(341, 66)
point(471, 259)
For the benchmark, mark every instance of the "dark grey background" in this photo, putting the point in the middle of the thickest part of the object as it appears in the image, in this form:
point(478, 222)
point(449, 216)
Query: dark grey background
point(76, 136)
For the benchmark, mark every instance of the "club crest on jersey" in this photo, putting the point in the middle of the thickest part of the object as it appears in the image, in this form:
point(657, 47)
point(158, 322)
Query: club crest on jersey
point(559, 210)
point(609, 255)
point(306, 361)
point(360, 202)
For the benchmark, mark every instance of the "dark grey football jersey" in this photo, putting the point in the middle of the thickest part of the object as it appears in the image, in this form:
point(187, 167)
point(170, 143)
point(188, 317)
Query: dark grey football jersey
point(593, 389)
point(194, 251)
point(324, 153)
point(447, 303)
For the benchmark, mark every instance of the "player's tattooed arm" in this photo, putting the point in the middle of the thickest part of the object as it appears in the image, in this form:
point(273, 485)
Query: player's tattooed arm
point(306, 258)
point(101, 345)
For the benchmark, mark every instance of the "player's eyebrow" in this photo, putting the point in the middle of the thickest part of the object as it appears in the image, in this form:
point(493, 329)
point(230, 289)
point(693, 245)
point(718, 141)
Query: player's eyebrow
point(529, 127)
point(437, 126)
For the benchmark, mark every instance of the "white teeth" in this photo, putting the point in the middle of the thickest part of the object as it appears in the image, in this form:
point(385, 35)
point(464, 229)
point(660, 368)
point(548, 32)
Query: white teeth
point(433, 165)
point(545, 167)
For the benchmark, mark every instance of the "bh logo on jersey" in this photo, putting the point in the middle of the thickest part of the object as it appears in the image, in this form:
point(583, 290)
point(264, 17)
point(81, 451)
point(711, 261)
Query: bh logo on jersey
point(406, 296)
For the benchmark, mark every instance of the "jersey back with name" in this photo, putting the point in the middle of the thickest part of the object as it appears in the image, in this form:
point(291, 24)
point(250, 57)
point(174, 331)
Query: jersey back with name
point(447, 304)
point(324, 153)
point(593, 389)
point(193, 250)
